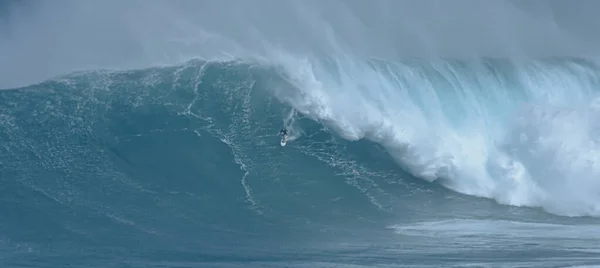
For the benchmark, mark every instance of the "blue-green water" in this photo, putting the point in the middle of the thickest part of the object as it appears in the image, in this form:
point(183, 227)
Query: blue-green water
point(181, 166)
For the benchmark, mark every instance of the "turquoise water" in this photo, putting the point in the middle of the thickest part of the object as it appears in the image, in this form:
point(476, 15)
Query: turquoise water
point(181, 166)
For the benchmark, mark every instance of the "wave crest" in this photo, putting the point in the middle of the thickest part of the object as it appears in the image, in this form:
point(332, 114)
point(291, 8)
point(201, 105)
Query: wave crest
point(521, 133)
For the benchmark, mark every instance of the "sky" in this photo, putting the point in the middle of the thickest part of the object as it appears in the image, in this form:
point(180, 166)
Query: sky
point(40, 39)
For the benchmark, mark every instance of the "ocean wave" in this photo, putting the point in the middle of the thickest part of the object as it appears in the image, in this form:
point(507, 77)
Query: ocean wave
point(522, 133)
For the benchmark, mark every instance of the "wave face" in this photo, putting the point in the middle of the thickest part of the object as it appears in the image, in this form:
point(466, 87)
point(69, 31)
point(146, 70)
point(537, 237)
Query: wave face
point(182, 164)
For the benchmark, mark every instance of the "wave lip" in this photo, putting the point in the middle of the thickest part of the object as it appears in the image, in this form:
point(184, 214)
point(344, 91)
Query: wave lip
point(522, 133)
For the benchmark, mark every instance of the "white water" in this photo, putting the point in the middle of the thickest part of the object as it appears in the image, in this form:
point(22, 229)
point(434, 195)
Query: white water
point(527, 137)
point(439, 237)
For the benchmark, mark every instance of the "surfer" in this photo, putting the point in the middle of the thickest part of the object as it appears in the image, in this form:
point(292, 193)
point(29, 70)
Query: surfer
point(283, 132)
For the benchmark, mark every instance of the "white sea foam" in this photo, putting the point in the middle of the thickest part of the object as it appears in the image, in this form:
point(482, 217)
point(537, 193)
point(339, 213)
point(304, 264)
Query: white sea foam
point(525, 135)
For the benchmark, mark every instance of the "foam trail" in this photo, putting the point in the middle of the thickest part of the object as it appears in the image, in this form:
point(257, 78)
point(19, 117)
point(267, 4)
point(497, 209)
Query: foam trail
point(521, 133)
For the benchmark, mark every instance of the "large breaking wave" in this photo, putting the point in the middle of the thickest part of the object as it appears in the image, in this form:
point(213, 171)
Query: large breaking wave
point(523, 133)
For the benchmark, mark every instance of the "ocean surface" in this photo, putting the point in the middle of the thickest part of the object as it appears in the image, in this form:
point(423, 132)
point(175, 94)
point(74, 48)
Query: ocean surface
point(479, 162)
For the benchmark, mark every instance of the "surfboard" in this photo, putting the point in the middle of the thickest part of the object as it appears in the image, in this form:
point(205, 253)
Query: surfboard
point(283, 141)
